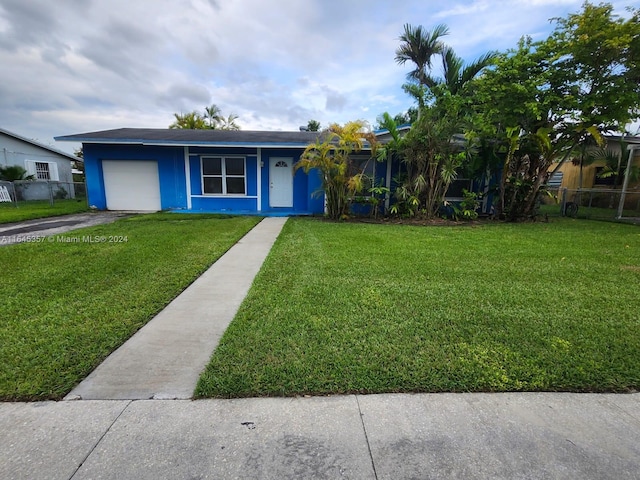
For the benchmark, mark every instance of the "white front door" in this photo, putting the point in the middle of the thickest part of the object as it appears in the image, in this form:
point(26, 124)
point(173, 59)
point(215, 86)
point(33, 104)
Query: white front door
point(280, 182)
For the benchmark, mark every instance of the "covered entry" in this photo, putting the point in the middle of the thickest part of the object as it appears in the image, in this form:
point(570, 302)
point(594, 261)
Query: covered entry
point(280, 182)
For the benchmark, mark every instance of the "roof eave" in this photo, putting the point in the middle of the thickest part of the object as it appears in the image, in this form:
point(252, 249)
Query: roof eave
point(37, 144)
point(182, 143)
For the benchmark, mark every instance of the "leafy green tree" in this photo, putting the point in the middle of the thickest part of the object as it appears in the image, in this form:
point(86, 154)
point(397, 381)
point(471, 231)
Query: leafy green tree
point(594, 67)
point(544, 99)
point(313, 126)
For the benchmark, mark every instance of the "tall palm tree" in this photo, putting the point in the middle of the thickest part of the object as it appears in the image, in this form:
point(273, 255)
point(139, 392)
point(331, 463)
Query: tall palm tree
point(419, 46)
point(228, 123)
point(455, 73)
point(213, 115)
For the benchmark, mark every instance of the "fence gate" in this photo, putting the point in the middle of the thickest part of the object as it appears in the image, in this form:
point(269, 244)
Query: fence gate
point(4, 194)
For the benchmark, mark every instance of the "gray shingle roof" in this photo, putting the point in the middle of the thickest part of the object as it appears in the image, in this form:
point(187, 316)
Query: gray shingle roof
point(155, 136)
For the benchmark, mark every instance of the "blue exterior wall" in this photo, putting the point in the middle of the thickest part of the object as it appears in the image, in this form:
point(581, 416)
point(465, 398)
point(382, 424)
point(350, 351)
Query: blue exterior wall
point(304, 186)
point(173, 178)
point(221, 203)
point(171, 172)
point(380, 178)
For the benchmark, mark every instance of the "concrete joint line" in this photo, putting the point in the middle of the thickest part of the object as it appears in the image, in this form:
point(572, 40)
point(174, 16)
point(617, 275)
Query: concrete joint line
point(366, 437)
point(621, 410)
point(99, 440)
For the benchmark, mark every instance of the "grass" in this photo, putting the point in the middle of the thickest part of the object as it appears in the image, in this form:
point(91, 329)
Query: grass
point(65, 306)
point(343, 308)
point(40, 209)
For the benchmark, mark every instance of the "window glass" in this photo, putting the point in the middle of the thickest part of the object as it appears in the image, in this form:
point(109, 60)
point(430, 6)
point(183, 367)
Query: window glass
point(223, 176)
point(212, 184)
point(235, 185)
point(211, 166)
point(42, 171)
point(235, 166)
point(456, 187)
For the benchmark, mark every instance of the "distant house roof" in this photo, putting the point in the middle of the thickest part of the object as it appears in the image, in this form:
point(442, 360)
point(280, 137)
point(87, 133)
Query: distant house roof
point(634, 139)
point(38, 144)
point(184, 137)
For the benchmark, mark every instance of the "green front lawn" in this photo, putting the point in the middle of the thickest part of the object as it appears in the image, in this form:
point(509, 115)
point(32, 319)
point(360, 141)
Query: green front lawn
point(341, 308)
point(65, 306)
point(40, 208)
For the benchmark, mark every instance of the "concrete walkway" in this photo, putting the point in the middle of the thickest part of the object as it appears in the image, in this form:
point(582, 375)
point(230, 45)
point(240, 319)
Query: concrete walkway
point(435, 436)
point(165, 358)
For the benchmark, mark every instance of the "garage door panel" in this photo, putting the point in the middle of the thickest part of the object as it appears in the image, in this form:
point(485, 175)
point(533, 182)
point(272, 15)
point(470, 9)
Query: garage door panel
point(131, 185)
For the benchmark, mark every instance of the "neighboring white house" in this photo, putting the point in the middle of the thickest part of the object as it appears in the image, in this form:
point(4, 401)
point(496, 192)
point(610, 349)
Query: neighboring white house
point(51, 168)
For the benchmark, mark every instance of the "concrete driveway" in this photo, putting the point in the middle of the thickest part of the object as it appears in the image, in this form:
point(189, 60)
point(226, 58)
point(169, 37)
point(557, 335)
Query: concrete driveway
point(29, 230)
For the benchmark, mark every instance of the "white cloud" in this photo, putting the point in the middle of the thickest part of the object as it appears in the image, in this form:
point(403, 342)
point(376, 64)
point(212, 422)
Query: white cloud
point(71, 66)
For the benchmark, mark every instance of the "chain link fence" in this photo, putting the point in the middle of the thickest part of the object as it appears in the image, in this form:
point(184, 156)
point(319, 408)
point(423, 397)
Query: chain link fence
point(593, 203)
point(27, 191)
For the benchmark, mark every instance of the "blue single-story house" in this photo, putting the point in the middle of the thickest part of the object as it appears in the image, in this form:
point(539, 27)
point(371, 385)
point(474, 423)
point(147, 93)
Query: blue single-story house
point(239, 172)
point(222, 171)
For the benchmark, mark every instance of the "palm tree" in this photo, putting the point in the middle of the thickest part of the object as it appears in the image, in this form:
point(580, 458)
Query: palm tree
point(329, 154)
point(192, 120)
point(213, 115)
point(13, 173)
point(228, 123)
point(419, 46)
point(455, 73)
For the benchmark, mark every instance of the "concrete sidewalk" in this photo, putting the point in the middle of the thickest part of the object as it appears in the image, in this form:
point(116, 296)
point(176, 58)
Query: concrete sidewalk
point(397, 436)
point(165, 358)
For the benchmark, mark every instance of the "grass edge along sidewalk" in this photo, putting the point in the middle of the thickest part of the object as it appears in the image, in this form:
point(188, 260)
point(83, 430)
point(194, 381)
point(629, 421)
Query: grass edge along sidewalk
point(66, 306)
point(345, 308)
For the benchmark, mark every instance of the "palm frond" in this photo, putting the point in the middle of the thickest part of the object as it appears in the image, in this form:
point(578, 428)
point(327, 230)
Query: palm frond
point(419, 46)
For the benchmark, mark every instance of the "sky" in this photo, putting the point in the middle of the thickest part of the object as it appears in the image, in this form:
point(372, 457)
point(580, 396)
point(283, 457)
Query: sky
point(73, 66)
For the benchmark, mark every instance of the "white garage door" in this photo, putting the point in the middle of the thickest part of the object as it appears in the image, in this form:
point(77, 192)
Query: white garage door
point(131, 185)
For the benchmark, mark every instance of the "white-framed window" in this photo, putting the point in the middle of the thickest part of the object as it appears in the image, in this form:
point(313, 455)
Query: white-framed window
point(222, 175)
point(46, 171)
point(366, 165)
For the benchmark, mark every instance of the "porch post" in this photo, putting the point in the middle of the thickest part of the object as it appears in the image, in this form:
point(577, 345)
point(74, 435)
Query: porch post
point(187, 171)
point(259, 168)
point(387, 197)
